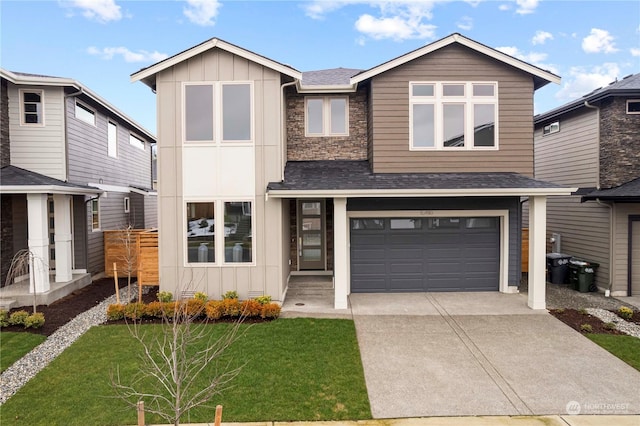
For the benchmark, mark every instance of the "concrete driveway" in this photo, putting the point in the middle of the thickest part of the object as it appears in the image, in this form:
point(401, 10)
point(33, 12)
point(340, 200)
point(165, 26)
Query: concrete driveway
point(453, 354)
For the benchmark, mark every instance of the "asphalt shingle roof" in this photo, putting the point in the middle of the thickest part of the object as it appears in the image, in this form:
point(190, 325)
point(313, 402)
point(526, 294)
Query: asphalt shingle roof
point(629, 191)
point(333, 76)
point(15, 176)
point(356, 175)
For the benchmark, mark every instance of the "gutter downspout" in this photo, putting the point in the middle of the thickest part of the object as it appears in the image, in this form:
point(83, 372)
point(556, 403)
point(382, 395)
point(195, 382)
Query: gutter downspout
point(609, 206)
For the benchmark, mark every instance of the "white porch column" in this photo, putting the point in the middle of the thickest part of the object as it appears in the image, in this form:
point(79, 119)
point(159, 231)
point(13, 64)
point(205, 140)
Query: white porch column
point(537, 251)
point(38, 240)
point(340, 252)
point(62, 216)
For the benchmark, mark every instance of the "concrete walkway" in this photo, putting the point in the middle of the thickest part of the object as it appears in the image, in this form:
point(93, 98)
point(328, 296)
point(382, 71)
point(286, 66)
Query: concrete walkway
point(457, 354)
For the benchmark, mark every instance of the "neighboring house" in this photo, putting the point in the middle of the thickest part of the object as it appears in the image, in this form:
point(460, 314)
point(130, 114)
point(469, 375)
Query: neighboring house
point(404, 177)
point(593, 143)
point(72, 166)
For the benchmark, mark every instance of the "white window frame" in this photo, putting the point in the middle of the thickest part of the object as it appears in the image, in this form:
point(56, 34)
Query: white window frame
point(219, 237)
point(97, 201)
point(217, 114)
point(21, 93)
point(137, 142)
point(127, 204)
point(551, 128)
point(326, 116)
point(438, 100)
point(87, 109)
point(627, 108)
point(112, 145)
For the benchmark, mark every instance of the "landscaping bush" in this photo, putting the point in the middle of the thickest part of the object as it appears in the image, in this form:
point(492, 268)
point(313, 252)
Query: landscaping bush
point(134, 311)
point(201, 296)
point(18, 317)
point(165, 296)
point(250, 308)
point(270, 310)
point(154, 309)
point(170, 308)
point(625, 313)
point(231, 307)
point(263, 300)
point(231, 294)
point(35, 320)
point(194, 308)
point(587, 328)
point(213, 309)
point(115, 312)
point(4, 318)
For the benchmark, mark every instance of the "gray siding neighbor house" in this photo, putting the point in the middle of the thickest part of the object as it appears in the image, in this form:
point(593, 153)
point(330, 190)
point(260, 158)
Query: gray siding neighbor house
point(72, 166)
point(592, 143)
point(405, 177)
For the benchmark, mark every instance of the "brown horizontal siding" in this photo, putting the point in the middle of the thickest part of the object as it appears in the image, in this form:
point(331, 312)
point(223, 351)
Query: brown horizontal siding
point(390, 115)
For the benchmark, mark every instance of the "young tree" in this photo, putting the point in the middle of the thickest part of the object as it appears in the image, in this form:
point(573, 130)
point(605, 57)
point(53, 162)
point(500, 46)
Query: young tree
point(174, 362)
point(23, 263)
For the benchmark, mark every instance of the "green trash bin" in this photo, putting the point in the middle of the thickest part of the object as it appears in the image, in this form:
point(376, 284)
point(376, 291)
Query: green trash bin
point(582, 275)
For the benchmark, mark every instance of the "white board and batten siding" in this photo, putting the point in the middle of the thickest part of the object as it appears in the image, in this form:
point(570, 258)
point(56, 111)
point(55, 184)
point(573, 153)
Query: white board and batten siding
point(212, 172)
point(39, 148)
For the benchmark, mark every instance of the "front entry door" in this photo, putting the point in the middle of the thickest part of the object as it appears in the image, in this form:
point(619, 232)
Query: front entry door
point(311, 235)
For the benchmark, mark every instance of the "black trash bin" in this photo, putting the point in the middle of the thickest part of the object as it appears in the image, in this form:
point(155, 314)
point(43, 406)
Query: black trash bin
point(582, 275)
point(558, 268)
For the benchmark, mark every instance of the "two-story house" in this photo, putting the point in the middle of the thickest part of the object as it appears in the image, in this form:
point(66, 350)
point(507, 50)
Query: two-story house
point(72, 166)
point(406, 177)
point(592, 143)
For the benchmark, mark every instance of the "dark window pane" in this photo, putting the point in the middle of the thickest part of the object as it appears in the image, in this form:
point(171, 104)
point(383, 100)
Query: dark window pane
point(32, 97)
point(31, 118)
point(200, 233)
point(483, 125)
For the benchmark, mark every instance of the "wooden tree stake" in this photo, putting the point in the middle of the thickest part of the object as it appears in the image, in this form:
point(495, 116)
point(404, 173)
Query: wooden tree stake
point(140, 413)
point(115, 280)
point(218, 415)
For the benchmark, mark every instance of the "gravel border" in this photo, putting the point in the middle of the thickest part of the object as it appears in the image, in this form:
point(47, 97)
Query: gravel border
point(24, 369)
point(627, 327)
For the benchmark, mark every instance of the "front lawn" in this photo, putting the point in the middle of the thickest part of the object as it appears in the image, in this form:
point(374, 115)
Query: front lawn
point(627, 348)
point(294, 369)
point(14, 346)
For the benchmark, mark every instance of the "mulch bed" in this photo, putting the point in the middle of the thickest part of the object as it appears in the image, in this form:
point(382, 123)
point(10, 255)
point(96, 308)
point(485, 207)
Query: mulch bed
point(63, 310)
point(575, 319)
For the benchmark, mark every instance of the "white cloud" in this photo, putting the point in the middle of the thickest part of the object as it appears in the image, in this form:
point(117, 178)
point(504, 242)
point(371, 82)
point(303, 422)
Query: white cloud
point(599, 41)
point(504, 7)
point(541, 37)
point(127, 55)
point(202, 12)
point(465, 23)
point(98, 10)
point(582, 81)
point(319, 8)
point(534, 58)
point(526, 7)
point(635, 51)
point(396, 28)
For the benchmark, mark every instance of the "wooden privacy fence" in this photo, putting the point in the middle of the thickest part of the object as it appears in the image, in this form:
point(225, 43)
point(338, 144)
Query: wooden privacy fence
point(134, 251)
point(147, 251)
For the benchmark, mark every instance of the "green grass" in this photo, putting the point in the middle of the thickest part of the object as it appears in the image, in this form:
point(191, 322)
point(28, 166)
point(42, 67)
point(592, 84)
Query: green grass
point(627, 348)
point(14, 346)
point(294, 369)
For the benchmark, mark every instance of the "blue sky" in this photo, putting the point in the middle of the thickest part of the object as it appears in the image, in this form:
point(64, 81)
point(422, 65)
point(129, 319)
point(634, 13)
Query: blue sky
point(101, 42)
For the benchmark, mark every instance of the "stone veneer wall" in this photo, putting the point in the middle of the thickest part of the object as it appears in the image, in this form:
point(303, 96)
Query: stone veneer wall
point(619, 142)
point(6, 201)
point(352, 147)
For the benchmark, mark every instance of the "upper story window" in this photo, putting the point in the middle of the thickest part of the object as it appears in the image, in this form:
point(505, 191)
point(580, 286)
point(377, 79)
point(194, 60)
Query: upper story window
point(112, 139)
point(136, 141)
point(31, 107)
point(218, 112)
point(85, 114)
point(551, 128)
point(326, 116)
point(633, 106)
point(453, 115)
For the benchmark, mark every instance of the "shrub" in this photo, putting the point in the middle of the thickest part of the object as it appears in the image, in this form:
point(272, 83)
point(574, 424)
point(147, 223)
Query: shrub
point(115, 312)
point(165, 296)
point(35, 320)
point(4, 318)
point(200, 296)
point(610, 326)
point(231, 294)
point(18, 317)
point(583, 311)
point(134, 311)
point(263, 300)
point(586, 328)
point(560, 310)
point(154, 309)
point(250, 308)
point(625, 312)
point(231, 307)
point(213, 309)
point(194, 307)
point(169, 308)
point(270, 310)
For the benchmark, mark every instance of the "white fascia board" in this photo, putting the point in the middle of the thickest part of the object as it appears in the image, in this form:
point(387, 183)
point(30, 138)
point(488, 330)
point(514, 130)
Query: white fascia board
point(362, 193)
point(503, 57)
point(111, 188)
point(210, 44)
point(338, 88)
point(47, 189)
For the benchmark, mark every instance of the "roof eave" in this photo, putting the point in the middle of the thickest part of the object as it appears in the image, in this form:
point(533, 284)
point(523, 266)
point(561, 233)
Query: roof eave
point(48, 189)
point(334, 88)
point(387, 193)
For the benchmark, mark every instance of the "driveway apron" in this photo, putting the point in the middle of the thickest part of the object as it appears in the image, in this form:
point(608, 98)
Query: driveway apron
point(427, 355)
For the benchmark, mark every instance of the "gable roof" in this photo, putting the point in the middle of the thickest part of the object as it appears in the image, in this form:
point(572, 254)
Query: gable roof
point(15, 180)
point(329, 80)
point(147, 75)
point(628, 86)
point(629, 192)
point(540, 77)
point(26, 79)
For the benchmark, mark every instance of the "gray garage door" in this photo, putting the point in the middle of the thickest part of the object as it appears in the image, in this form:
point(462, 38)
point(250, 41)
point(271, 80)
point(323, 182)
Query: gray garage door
point(425, 254)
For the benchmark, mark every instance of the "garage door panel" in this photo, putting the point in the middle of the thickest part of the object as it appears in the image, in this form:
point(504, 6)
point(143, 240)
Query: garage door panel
point(406, 268)
point(367, 238)
point(368, 254)
point(406, 239)
point(369, 285)
point(369, 269)
point(407, 253)
point(406, 284)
